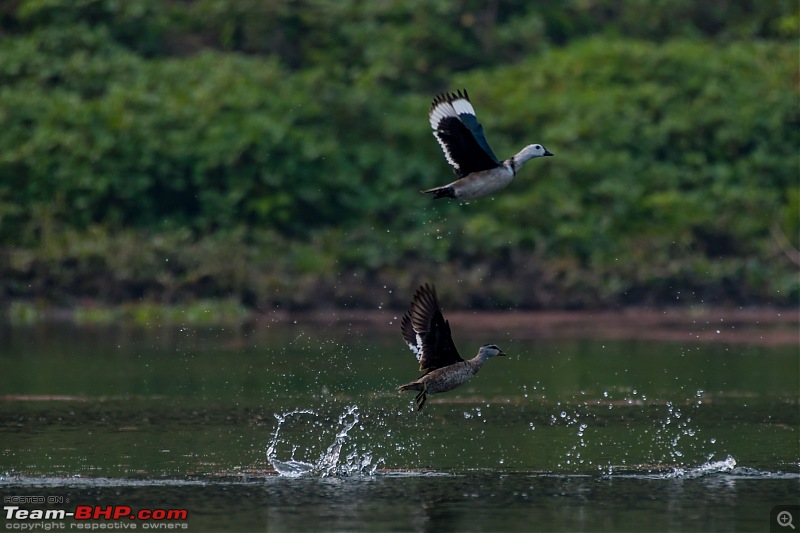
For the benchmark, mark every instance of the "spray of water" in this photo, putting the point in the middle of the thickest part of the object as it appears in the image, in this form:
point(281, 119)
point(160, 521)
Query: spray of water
point(711, 467)
point(329, 462)
point(671, 445)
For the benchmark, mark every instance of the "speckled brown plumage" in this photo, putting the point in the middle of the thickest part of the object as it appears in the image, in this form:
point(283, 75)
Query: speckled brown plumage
point(427, 333)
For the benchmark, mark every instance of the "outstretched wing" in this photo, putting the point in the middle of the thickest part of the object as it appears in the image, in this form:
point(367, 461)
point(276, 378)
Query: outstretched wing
point(427, 333)
point(460, 135)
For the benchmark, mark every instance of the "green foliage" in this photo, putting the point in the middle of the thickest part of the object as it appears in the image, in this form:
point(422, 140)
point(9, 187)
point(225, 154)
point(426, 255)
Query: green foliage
point(272, 152)
point(196, 313)
point(22, 313)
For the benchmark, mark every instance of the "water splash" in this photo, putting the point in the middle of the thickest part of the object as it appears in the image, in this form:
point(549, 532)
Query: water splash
point(291, 467)
point(727, 468)
point(677, 434)
point(573, 456)
point(668, 440)
point(329, 462)
point(711, 467)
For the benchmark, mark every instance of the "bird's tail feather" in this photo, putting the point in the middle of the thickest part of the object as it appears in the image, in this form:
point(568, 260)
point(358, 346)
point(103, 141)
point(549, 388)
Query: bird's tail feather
point(441, 192)
point(410, 386)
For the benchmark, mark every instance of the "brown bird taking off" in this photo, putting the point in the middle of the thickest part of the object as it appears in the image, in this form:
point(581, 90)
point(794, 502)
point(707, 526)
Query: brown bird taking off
point(428, 335)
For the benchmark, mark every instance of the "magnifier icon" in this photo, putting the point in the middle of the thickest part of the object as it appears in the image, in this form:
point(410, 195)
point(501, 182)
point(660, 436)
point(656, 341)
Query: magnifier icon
point(785, 519)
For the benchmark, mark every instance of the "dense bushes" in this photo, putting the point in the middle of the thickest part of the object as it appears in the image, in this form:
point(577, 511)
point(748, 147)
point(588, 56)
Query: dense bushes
point(273, 153)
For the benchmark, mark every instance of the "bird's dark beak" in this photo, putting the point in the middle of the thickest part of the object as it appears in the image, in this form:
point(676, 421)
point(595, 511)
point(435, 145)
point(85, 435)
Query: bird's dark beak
point(502, 353)
point(548, 152)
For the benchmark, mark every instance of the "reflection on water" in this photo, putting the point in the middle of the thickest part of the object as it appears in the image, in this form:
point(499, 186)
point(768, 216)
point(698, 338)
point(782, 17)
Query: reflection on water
point(565, 434)
point(726, 500)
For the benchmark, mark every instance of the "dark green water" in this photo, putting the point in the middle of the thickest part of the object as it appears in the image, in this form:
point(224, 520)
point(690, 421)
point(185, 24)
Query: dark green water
point(562, 435)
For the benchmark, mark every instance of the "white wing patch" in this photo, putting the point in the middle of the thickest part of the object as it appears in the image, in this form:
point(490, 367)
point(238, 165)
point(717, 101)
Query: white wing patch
point(446, 152)
point(416, 348)
point(459, 106)
point(463, 107)
point(418, 351)
point(442, 110)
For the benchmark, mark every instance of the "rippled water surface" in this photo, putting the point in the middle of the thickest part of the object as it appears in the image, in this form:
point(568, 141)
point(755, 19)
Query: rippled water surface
point(299, 427)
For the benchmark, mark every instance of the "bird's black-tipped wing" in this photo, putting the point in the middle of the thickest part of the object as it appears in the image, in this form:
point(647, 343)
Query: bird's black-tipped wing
point(427, 333)
point(460, 135)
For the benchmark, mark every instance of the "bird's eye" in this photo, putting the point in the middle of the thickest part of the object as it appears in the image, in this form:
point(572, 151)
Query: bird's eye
point(537, 146)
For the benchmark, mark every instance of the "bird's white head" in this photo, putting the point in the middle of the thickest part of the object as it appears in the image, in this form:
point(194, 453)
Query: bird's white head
point(534, 150)
point(489, 350)
point(526, 154)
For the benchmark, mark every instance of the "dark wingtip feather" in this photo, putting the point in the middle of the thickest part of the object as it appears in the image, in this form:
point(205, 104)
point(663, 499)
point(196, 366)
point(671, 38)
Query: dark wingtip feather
point(408, 330)
point(430, 329)
point(449, 97)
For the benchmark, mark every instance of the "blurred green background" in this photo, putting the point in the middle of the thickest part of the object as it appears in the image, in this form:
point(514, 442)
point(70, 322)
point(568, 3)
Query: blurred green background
point(269, 153)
